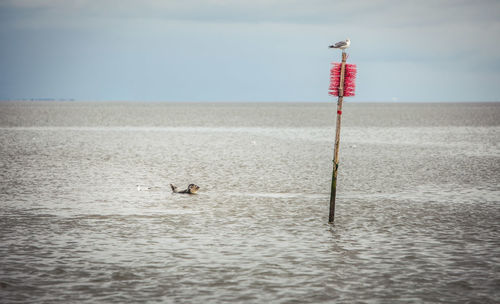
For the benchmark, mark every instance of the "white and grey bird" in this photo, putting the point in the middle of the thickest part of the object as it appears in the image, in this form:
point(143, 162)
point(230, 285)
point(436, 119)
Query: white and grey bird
point(341, 44)
point(143, 188)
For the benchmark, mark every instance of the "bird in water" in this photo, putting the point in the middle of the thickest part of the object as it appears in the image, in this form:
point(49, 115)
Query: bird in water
point(341, 45)
point(191, 189)
point(143, 188)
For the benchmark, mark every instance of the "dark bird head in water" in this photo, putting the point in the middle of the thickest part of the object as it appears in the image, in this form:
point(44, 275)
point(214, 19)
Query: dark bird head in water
point(192, 188)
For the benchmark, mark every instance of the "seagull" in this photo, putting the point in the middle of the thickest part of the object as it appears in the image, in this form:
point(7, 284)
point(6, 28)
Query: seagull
point(142, 188)
point(341, 45)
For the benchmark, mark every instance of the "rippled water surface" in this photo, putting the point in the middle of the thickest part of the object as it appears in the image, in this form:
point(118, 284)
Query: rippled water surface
point(418, 207)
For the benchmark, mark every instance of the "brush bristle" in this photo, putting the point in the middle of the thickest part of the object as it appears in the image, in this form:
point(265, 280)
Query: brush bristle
point(349, 79)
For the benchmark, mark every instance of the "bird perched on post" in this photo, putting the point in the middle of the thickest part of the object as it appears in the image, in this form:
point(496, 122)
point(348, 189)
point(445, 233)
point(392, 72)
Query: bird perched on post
point(341, 45)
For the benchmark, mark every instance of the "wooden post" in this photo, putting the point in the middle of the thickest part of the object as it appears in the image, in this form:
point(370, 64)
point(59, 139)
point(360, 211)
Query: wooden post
point(337, 141)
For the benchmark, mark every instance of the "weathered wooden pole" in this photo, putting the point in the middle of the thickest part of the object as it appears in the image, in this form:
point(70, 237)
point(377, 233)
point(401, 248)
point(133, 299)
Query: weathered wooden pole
point(337, 140)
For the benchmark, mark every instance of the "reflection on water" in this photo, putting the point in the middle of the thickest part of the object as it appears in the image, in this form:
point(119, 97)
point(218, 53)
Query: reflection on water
point(418, 214)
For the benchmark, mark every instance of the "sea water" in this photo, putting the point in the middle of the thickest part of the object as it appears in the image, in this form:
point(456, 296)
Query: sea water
point(417, 216)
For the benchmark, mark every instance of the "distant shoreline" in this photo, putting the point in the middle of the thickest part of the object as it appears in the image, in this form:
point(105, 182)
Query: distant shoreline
point(40, 99)
point(241, 102)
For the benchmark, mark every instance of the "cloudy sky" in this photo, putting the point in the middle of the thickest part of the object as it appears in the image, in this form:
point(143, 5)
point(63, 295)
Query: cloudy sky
point(255, 50)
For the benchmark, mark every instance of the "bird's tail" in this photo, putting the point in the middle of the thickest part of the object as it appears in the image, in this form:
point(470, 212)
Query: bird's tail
point(331, 46)
point(174, 188)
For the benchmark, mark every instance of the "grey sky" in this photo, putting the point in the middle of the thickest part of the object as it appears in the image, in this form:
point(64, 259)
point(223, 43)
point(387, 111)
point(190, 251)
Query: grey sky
point(264, 50)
